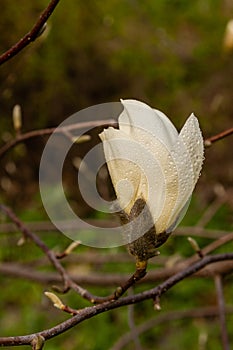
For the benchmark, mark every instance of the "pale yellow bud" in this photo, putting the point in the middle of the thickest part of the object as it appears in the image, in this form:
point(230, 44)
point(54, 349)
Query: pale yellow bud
point(17, 117)
point(55, 300)
point(81, 139)
point(228, 36)
point(71, 247)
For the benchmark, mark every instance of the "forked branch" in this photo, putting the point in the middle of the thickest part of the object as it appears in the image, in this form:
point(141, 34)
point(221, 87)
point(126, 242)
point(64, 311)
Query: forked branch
point(31, 35)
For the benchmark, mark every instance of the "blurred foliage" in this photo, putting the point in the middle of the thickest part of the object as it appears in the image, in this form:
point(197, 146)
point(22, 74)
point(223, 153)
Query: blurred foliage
point(167, 53)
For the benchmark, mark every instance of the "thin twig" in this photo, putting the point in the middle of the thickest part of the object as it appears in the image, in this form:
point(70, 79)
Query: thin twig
point(45, 226)
point(67, 281)
point(98, 279)
point(30, 36)
point(221, 198)
point(37, 241)
point(101, 280)
point(208, 142)
point(58, 130)
point(132, 326)
point(213, 246)
point(222, 312)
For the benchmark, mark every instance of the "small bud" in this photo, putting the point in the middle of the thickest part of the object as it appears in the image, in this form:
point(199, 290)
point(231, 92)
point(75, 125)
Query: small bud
point(71, 247)
point(55, 300)
point(37, 342)
point(17, 117)
point(195, 246)
point(81, 139)
point(21, 241)
point(42, 29)
point(157, 305)
point(228, 36)
point(207, 143)
point(118, 292)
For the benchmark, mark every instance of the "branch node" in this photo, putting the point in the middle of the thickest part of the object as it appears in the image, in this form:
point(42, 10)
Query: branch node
point(207, 143)
point(118, 292)
point(42, 30)
point(61, 290)
point(38, 342)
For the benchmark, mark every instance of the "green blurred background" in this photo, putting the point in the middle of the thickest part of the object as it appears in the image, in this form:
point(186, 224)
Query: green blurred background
point(167, 53)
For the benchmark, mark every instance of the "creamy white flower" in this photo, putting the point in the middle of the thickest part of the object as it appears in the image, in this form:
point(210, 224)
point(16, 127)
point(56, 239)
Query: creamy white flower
point(147, 159)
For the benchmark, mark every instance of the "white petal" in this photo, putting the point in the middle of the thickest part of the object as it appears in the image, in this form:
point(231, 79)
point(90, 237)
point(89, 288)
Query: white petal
point(187, 153)
point(192, 138)
point(173, 133)
point(170, 172)
point(153, 130)
point(179, 217)
point(137, 114)
point(124, 174)
point(129, 161)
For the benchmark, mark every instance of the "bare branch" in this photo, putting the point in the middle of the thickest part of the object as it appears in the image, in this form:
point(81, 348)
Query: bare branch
point(212, 246)
point(67, 281)
point(30, 36)
point(37, 241)
point(222, 312)
point(59, 130)
point(98, 279)
point(107, 279)
point(221, 135)
point(45, 226)
point(37, 342)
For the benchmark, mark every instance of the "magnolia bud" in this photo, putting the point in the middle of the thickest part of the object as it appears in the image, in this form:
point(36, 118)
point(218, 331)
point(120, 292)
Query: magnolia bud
point(17, 117)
